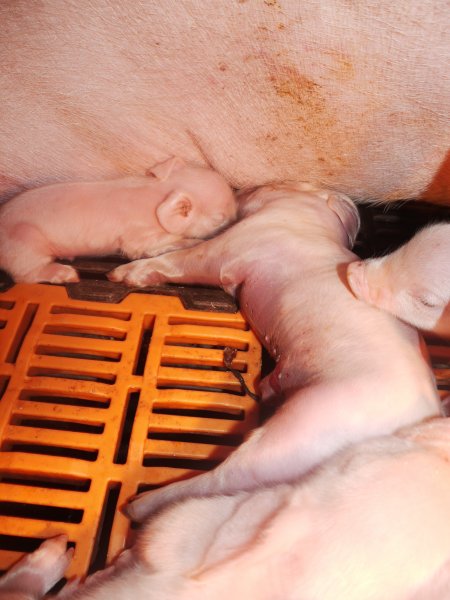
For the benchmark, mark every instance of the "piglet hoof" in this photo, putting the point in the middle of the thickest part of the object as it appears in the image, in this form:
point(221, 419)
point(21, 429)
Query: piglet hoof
point(35, 574)
point(56, 273)
point(138, 273)
point(355, 277)
point(139, 507)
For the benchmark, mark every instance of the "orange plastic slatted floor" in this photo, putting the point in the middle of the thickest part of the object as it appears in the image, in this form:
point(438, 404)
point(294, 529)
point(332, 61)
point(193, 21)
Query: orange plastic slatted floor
point(99, 401)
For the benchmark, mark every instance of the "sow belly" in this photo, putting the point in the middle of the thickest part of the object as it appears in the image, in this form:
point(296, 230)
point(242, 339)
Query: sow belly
point(351, 96)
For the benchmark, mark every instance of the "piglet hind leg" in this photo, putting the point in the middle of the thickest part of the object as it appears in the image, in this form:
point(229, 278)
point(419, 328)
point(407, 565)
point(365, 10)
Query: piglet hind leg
point(235, 474)
point(56, 273)
point(25, 254)
point(35, 574)
point(283, 449)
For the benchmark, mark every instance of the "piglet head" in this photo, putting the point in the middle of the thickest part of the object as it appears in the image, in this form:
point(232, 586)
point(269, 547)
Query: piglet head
point(198, 202)
point(386, 283)
point(347, 214)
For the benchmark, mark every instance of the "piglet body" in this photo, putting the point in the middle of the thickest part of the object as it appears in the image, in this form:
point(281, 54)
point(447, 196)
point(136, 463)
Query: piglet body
point(370, 524)
point(413, 282)
point(170, 208)
point(348, 372)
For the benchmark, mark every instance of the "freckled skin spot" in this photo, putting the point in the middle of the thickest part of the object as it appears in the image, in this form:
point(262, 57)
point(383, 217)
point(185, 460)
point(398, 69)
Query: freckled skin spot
point(341, 67)
point(223, 67)
point(303, 110)
point(273, 3)
point(307, 104)
point(303, 91)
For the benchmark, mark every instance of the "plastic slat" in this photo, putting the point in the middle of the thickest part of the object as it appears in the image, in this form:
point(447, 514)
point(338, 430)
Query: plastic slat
point(76, 373)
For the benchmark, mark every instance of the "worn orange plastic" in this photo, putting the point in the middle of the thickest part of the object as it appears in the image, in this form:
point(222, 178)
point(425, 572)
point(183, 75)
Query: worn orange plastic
point(90, 416)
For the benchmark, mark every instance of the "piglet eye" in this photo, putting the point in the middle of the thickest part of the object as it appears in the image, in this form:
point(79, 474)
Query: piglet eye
point(428, 301)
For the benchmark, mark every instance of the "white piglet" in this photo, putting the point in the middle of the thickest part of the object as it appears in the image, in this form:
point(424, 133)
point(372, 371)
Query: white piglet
point(172, 207)
point(413, 282)
point(347, 371)
point(370, 524)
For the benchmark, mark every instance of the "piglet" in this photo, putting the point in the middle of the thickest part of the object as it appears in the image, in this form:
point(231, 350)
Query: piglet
point(413, 282)
point(346, 370)
point(370, 524)
point(172, 207)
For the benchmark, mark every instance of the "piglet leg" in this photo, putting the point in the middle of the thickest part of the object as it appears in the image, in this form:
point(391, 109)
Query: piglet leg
point(148, 247)
point(35, 574)
point(29, 257)
point(285, 447)
point(202, 264)
point(56, 273)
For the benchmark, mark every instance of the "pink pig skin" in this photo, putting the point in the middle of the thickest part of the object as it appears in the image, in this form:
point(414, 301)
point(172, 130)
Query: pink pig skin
point(36, 573)
point(171, 208)
point(370, 524)
point(412, 283)
point(348, 371)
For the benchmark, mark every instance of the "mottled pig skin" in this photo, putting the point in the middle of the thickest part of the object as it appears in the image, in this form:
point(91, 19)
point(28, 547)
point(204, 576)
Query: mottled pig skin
point(370, 524)
point(172, 207)
point(412, 283)
point(347, 370)
point(354, 96)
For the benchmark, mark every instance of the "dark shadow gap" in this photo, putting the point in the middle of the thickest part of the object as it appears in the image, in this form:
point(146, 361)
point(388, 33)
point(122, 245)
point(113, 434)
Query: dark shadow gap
point(53, 483)
point(98, 559)
point(196, 438)
point(88, 455)
point(55, 425)
point(41, 512)
point(65, 400)
point(200, 413)
point(180, 463)
point(127, 428)
point(198, 388)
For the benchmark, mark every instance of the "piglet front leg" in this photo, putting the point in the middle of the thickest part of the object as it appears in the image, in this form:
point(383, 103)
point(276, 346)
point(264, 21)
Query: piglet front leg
point(202, 264)
point(36, 573)
point(148, 248)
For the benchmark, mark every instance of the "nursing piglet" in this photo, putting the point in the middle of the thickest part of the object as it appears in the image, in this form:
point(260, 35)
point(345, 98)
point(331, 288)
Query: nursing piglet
point(172, 207)
point(346, 370)
point(413, 282)
point(370, 524)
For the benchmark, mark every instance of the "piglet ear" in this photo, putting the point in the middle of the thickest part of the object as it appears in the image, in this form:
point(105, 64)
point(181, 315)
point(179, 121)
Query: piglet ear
point(347, 213)
point(175, 213)
point(164, 170)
